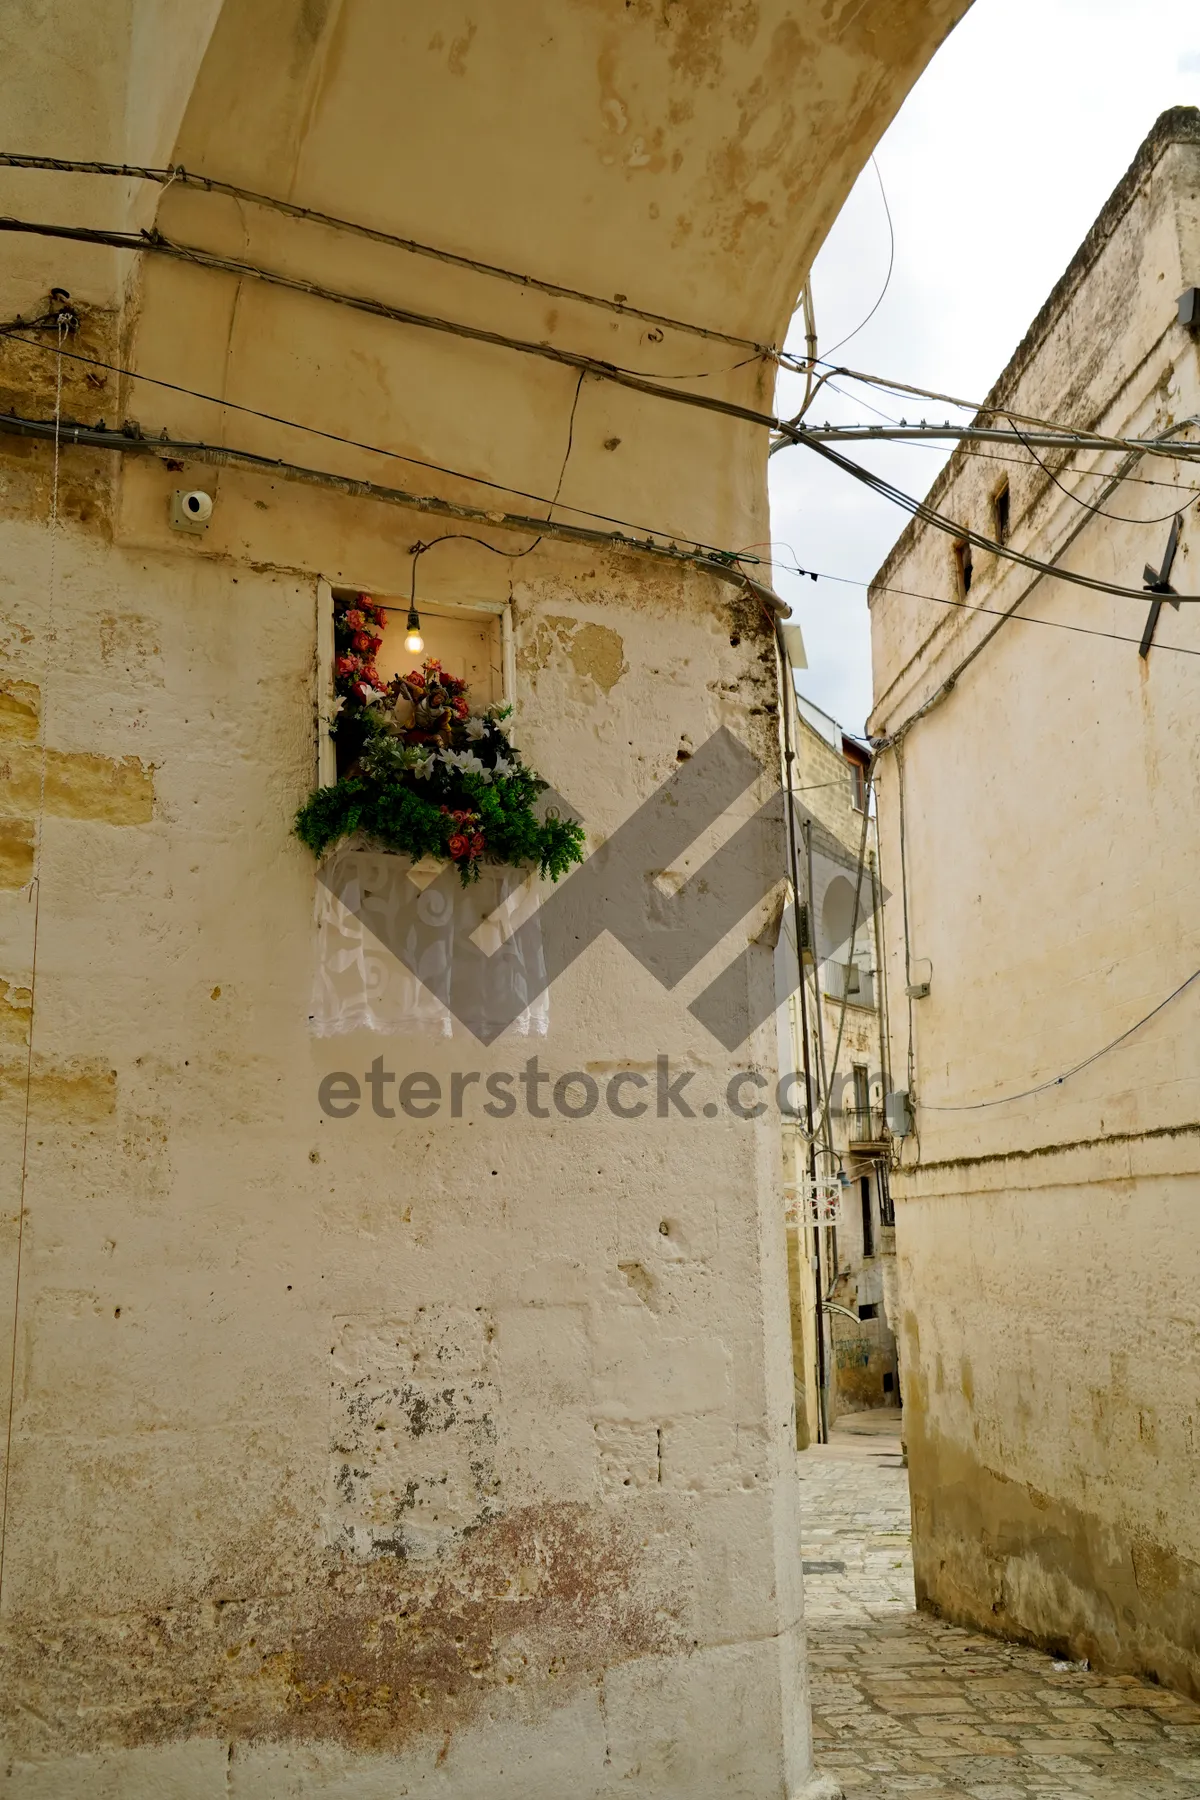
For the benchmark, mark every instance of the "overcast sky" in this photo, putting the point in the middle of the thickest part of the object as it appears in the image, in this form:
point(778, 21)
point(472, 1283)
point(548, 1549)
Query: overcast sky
point(994, 171)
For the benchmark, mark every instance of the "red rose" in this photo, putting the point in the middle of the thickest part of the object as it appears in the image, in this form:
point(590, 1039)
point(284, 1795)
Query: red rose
point(459, 708)
point(477, 844)
point(355, 619)
point(347, 665)
point(459, 846)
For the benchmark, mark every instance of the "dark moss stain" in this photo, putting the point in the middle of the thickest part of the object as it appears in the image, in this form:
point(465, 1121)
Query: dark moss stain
point(997, 1553)
point(1191, 1129)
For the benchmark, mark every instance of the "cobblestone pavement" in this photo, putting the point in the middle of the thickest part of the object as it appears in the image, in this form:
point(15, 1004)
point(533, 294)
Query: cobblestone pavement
point(907, 1708)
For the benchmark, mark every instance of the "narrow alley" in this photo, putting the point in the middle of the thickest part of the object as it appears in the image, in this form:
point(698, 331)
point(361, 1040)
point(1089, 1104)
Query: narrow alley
point(908, 1708)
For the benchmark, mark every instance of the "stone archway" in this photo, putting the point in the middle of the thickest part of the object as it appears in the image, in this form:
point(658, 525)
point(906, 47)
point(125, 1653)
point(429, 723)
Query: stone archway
point(247, 1338)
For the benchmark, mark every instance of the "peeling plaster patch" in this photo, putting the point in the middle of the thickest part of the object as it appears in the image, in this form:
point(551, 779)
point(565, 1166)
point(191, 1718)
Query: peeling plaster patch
point(595, 652)
point(16, 852)
point(412, 1466)
point(20, 706)
point(614, 114)
point(15, 1005)
point(701, 29)
point(79, 785)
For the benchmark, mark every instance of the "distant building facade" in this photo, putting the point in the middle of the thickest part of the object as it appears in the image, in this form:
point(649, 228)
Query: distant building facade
point(854, 1365)
point(1037, 794)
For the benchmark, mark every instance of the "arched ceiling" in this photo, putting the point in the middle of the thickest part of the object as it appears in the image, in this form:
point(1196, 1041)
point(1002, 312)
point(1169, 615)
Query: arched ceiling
point(691, 152)
point(689, 155)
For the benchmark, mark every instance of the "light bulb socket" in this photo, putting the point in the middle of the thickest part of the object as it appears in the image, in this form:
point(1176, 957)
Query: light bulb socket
point(414, 643)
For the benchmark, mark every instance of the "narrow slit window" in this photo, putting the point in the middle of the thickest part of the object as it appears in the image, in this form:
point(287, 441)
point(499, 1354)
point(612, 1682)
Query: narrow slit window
point(1000, 512)
point(962, 566)
point(868, 1222)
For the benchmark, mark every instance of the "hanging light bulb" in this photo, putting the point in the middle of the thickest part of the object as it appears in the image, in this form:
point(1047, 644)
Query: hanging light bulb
point(414, 643)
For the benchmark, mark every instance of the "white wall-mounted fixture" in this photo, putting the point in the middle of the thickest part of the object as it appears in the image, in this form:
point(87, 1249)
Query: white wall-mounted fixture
point(898, 1113)
point(920, 976)
point(191, 509)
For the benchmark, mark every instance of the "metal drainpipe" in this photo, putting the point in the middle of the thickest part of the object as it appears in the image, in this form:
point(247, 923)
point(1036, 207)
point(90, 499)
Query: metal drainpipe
point(787, 699)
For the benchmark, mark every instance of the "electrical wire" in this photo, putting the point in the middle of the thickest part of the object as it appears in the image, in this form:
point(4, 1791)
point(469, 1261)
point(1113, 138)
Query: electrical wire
point(1023, 462)
point(35, 894)
point(722, 564)
point(334, 437)
point(10, 330)
point(1057, 1080)
point(887, 280)
point(978, 408)
point(1121, 518)
point(155, 243)
point(994, 612)
point(949, 683)
point(176, 173)
point(607, 371)
point(451, 537)
point(920, 509)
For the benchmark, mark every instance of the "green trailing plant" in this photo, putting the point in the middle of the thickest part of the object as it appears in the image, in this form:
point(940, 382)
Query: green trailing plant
point(424, 775)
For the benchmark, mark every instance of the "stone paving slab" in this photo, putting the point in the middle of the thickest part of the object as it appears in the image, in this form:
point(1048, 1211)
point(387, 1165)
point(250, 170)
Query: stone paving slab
point(906, 1707)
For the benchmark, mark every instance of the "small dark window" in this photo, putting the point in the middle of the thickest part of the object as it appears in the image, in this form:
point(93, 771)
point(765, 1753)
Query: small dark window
point(887, 1209)
point(889, 1381)
point(858, 786)
point(1000, 512)
point(962, 561)
point(869, 1311)
point(868, 1219)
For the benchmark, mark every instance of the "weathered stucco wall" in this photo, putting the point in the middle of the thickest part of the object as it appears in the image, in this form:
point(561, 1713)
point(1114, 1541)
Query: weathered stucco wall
point(1049, 1251)
point(371, 1455)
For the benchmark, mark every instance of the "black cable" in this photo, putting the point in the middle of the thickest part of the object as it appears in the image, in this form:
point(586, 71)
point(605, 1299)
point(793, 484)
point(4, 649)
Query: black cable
point(920, 509)
point(722, 564)
point(994, 612)
point(570, 440)
point(1100, 512)
point(1057, 1080)
point(419, 549)
point(891, 265)
point(177, 173)
point(155, 243)
point(1021, 462)
point(335, 437)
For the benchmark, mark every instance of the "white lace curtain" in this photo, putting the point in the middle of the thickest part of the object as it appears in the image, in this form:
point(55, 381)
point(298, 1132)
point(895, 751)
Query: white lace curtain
point(397, 950)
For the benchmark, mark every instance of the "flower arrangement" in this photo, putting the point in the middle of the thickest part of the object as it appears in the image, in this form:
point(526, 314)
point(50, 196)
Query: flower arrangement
point(425, 775)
